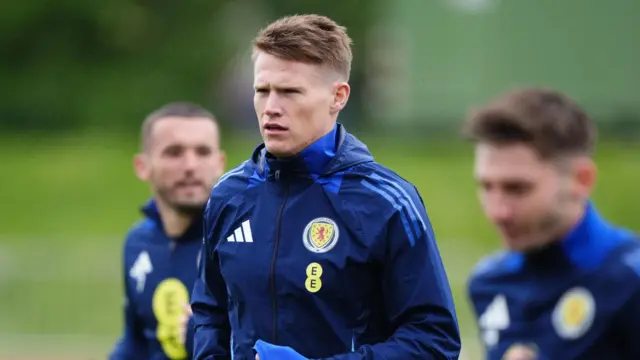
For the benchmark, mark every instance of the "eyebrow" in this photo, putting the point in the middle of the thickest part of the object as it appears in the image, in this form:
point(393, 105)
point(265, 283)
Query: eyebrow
point(278, 87)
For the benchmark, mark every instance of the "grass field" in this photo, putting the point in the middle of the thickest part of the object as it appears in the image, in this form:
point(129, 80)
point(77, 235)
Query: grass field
point(66, 203)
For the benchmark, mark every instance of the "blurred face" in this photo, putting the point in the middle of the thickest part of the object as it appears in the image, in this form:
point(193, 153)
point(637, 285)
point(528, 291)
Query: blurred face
point(296, 103)
point(182, 162)
point(531, 201)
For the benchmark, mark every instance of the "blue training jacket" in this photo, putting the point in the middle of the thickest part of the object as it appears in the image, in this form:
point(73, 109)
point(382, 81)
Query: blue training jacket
point(159, 273)
point(328, 253)
point(578, 298)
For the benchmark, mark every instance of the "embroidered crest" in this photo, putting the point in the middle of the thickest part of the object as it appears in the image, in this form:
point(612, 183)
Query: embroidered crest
point(320, 235)
point(574, 313)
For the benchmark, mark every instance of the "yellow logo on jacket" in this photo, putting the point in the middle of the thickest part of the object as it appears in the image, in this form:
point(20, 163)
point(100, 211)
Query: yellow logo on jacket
point(320, 235)
point(168, 301)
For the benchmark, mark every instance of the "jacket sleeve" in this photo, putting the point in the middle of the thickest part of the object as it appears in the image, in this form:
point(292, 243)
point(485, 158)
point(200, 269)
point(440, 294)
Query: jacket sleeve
point(212, 331)
point(417, 296)
point(131, 345)
point(627, 322)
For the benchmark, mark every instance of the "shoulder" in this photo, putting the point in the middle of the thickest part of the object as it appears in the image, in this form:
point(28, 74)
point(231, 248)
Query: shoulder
point(625, 262)
point(384, 200)
point(233, 181)
point(141, 233)
point(493, 266)
point(384, 189)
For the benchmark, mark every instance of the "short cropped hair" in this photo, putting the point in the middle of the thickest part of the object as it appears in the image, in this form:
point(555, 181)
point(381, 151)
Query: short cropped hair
point(312, 39)
point(182, 109)
point(548, 121)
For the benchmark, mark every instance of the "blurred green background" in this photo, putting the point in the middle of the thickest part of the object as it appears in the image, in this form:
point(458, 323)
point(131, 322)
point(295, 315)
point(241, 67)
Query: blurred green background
point(79, 77)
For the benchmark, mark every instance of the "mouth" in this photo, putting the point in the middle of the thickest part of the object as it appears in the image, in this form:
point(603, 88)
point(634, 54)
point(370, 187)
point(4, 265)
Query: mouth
point(189, 184)
point(274, 128)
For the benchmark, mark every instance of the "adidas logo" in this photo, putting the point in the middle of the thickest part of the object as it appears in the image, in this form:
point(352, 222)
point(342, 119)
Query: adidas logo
point(242, 233)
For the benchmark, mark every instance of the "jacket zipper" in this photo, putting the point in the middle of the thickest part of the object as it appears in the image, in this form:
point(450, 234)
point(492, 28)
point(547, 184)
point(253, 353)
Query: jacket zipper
point(273, 262)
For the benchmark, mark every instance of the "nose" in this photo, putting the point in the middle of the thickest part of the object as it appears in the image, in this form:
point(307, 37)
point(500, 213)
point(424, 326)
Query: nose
point(190, 160)
point(272, 107)
point(498, 210)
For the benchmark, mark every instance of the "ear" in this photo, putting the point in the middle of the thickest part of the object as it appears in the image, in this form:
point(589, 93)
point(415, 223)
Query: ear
point(585, 175)
point(341, 93)
point(141, 166)
point(223, 162)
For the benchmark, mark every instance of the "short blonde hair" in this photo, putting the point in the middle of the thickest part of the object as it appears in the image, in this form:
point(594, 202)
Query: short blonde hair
point(312, 39)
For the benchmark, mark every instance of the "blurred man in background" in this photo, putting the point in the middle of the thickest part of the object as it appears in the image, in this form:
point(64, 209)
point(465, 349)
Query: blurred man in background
point(568, 286)
point(311, 244)
point(181, 159)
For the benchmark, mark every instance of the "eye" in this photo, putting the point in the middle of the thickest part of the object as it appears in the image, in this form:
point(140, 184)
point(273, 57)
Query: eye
point(204, 151)
point(517, 188)
point(173, 151)
point(291, 91)
point(262, 90)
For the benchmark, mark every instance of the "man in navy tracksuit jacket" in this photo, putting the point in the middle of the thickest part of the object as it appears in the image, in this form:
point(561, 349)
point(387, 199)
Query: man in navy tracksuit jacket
point(329, 253)
point(159, 275)
point(311, 248)
point(568, 285)
point(181, 160)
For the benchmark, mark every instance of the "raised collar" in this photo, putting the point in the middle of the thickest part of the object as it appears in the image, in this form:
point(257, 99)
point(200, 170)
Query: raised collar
point(587, 245)
point(311, 161)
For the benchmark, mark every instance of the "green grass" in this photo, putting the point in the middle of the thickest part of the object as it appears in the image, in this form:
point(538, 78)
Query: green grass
point(66, 203)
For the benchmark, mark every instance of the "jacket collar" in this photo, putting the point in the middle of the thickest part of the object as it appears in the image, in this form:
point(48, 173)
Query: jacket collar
point(193, 232)
point(587, 245)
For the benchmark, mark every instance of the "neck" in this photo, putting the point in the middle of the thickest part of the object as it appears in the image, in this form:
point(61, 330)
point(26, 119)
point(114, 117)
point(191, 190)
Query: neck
point(575, 214)
point(175, 223)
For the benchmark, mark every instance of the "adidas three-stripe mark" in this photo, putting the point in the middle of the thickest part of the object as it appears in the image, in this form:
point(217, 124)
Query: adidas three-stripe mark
point(242, 233)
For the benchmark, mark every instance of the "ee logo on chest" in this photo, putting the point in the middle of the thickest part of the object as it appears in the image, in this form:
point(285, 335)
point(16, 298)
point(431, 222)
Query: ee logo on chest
point(313, 283)
point(574, 314)
point(168, 301)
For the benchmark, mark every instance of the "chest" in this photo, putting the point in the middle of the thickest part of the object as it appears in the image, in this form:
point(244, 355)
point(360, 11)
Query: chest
point(160, 278)
point(554, 318)
point(298, 241)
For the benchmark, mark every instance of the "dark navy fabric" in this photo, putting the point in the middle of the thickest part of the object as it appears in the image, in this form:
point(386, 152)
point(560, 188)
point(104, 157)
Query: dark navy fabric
point(328, 253)
point(159, 273)
point(578, 298)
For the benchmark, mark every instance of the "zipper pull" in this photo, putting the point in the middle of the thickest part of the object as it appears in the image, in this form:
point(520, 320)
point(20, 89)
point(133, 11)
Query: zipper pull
point(277, 174)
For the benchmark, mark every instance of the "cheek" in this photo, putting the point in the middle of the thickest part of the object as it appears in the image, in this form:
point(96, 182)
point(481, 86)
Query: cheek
point(164, 173)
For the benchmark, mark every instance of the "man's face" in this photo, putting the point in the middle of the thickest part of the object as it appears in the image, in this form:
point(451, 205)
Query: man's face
point(182, 162)
point(295, 102)
point(524, 196)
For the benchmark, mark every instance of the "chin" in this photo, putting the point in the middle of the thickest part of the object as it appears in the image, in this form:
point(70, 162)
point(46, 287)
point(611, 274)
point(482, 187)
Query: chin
point(278, 150)
point(190, 207)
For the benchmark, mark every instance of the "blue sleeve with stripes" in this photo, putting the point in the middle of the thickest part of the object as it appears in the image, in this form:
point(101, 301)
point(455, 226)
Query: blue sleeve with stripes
point(417, 294)
point(212, 331)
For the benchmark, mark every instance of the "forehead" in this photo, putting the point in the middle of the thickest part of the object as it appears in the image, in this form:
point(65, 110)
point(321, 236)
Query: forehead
point(269, 69)
point(186, 131)
point(509, 161)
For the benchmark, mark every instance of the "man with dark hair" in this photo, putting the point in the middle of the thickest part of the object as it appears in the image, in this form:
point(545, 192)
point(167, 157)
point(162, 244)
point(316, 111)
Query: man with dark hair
point(312, 249)
point(181, 159)
point(567, 286)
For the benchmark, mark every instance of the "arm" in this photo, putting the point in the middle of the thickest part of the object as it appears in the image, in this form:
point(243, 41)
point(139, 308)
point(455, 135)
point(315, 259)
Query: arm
point(211, 340)
point(627, 322)
point(132, 344)
point(417, 296)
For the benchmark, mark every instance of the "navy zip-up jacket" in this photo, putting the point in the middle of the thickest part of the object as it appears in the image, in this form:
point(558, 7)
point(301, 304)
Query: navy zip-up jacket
point(576, 299)
point(159, 273)
point(327, 252)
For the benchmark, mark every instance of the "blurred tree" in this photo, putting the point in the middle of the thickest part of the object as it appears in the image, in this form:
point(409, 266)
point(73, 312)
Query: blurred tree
point(71, 64)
